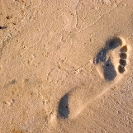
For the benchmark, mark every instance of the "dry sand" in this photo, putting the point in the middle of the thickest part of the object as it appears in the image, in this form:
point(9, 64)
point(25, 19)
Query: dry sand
point(66, 66)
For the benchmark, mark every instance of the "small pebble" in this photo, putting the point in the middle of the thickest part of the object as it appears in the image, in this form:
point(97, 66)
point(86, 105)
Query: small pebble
point(7, 17)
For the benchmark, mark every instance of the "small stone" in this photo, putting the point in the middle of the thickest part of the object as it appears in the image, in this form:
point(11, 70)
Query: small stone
point(7, 17)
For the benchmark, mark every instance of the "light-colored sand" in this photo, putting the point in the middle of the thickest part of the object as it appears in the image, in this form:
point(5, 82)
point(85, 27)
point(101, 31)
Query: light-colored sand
point(57, 74)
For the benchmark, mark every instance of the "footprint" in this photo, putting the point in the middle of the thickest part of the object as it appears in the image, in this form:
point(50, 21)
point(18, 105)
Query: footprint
point(110, 63)
point(104, 59)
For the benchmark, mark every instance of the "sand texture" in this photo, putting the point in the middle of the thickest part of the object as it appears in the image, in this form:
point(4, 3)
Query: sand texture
point(66, 66)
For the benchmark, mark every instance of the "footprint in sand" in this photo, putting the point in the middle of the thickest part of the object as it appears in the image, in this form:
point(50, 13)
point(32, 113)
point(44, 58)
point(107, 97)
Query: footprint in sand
point(107, 60)
point(110, 61)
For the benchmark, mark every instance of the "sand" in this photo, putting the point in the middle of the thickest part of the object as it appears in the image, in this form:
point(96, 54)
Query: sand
point(66, 66)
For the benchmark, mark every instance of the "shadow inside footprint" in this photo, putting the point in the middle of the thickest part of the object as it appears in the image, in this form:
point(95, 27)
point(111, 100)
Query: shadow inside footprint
point(63, 109)
point(101, 56)
point(113, 43)
point(108, 67)
point(109, 70)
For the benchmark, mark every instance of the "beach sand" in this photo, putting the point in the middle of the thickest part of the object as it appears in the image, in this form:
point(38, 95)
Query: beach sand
point(66, 66)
